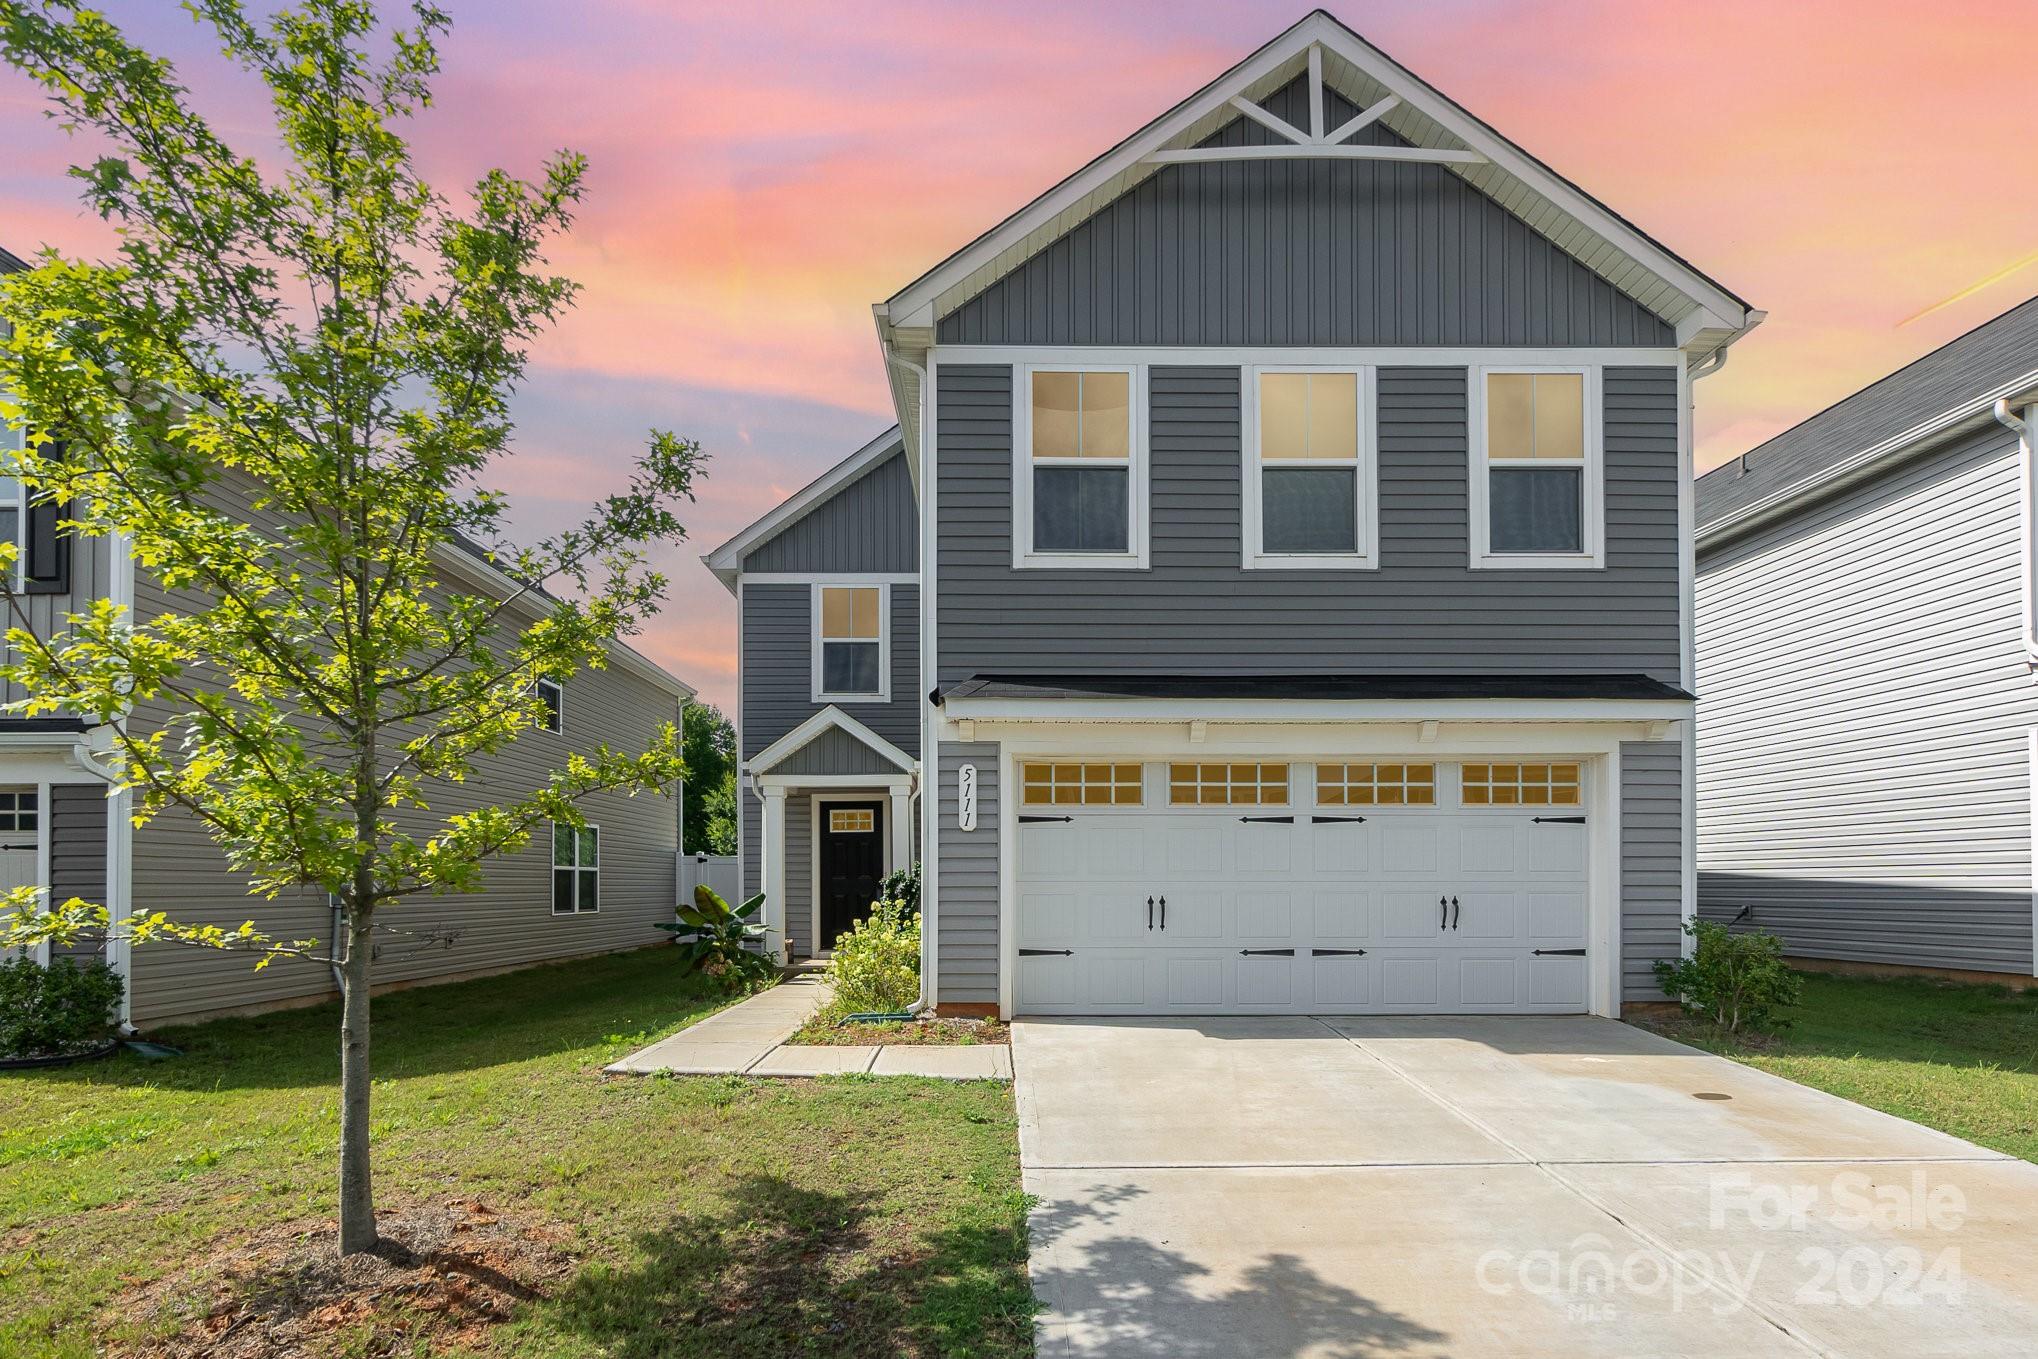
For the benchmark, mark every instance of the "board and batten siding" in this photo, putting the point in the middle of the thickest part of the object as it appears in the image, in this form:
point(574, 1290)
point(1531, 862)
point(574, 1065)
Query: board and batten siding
point(1196, 611)
point(871, 524)
point(775, 692)
point(1303, 252)
point(509, 923)
point(1651, 863)
point(967, 938)
point(1864, 720)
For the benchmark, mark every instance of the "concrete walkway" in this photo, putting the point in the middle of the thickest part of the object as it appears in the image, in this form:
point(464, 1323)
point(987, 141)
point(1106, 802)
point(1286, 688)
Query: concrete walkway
point(1317, 1189)
point(748, 1039)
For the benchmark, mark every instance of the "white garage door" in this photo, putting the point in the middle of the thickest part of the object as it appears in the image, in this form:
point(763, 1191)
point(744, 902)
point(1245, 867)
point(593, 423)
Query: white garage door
point(1290, 897)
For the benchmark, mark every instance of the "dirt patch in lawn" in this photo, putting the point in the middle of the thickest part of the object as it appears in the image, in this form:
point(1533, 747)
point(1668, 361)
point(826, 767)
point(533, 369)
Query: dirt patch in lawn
point(446, 1273)
point(1701, 1034)
point(937, 1032)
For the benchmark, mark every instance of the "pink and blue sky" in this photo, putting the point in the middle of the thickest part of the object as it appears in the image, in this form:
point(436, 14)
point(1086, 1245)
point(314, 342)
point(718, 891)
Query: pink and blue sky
point(762, 173)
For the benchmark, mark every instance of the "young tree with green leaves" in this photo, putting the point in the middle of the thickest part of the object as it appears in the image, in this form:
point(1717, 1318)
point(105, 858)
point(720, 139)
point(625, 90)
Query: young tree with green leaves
point(709, 746)
point(282, 396)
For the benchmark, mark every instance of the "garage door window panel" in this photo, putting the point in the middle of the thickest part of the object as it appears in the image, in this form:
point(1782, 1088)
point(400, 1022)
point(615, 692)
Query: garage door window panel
point(1085, 783)
point(1523, 785)
point(1376, 785)
point(1228, 784)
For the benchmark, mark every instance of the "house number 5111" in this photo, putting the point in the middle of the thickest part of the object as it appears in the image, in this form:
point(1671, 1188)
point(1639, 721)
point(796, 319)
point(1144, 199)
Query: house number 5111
point(966, 797)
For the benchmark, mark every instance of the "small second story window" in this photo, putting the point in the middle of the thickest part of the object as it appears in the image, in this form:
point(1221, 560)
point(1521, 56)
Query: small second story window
point(1536, 469)
point(1080, 473)
point(554, 695)
point(42, 561)
point(576, 868)
point(850, 644)
point(1309, 469)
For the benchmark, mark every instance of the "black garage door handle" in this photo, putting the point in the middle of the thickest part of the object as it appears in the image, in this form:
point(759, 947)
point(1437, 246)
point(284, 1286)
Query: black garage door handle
point(1266, 953)
point(1559, 952)
point(1047, 953)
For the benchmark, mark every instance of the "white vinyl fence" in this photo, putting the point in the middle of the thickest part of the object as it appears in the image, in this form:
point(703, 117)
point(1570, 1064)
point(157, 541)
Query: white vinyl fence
point(718, 871)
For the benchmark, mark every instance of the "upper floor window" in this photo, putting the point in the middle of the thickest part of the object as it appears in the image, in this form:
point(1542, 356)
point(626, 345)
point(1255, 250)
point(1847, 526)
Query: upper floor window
point(554, 695)
point(851, 644)
point(1309, 480)
point(1079, 474)
point(42, 562)
point(1536, 490)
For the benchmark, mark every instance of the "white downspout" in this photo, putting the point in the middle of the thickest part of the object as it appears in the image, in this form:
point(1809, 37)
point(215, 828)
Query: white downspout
point(930, 745)
point(2027, 512)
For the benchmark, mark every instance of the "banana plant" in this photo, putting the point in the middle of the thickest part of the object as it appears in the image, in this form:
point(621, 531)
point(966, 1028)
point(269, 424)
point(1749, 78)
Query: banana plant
point(717, 938)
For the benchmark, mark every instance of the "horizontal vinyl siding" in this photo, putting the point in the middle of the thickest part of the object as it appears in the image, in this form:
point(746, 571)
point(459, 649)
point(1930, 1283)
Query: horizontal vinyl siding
point(47, 615)
point(1864, 780)
point(872, 524)
point(1197, 612)
point(1338, 252)
point(968, 882)
point(776, 689)
point(1651, 863)
point(77, 840)
point(508, 923)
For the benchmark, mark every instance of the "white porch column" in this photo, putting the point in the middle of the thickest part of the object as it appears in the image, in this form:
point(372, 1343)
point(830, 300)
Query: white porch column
point(901, 825)
point(773, 884)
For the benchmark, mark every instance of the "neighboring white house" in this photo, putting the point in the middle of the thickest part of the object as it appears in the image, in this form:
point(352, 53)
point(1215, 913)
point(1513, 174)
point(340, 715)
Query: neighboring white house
point(1866, 647)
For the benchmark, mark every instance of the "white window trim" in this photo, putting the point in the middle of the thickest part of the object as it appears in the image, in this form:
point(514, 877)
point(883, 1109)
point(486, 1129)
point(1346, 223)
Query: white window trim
point(1253, 556)
point(13, 443)
point(1592, 509)
point(884, 642)
point(538, 687)
point(576, 867)
point(1023, 556)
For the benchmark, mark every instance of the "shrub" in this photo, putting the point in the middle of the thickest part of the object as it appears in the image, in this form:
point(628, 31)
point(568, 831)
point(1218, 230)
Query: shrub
point(876, 967)
point(720, 944)
point(1732, 980)
point(903, 886)
point(62, 1008)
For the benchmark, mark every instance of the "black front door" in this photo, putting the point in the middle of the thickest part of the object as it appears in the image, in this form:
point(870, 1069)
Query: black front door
point(852, 864)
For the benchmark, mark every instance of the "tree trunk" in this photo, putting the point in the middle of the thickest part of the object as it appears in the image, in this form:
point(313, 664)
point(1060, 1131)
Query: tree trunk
point(357, 1185)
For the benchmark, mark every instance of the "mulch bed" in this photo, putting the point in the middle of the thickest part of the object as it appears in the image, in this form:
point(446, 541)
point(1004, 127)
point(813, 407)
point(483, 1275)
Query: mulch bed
point(907, 1033)
point(447, 1271)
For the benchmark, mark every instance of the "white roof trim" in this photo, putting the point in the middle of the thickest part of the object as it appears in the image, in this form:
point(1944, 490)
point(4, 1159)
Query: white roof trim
point(805, 732)
point(726, 560)
point(1968, 414)
point(1567, 215)
point(491, 577)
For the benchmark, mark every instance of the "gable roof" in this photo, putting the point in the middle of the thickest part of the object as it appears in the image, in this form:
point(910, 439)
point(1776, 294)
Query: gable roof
point(726, 561)
point(829, 718)
point(1952, 389)
point(1706, 315)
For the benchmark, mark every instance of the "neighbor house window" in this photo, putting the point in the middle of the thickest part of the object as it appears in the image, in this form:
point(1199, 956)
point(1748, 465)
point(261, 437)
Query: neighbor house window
point(1376, 785)
point(851, 631)
point(1081, 468)
point(576, 868)
point(42, 563)
point(1523, 785)
point(554, 695)
point(19, 811)
point(1071, 783)
point(1228, 785)
point(1309, 469)
point(1536, 468)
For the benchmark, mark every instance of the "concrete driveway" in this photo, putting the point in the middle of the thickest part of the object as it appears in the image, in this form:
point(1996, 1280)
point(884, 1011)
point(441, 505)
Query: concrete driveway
point(1267, 1188)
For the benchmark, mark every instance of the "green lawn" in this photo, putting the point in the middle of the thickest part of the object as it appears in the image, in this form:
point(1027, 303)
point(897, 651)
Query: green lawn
point(684, 1216)
point(1959, 1058)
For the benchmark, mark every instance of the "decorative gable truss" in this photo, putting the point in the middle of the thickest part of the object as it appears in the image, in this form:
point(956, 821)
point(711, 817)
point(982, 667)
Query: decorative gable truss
point(1425, 127)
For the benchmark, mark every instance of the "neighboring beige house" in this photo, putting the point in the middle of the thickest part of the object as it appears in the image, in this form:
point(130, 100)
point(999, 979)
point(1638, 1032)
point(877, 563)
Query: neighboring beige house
point(64, 827)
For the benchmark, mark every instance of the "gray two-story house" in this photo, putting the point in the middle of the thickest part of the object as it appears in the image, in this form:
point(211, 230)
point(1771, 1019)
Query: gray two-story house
point(1276, 595)
point(67, 826)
